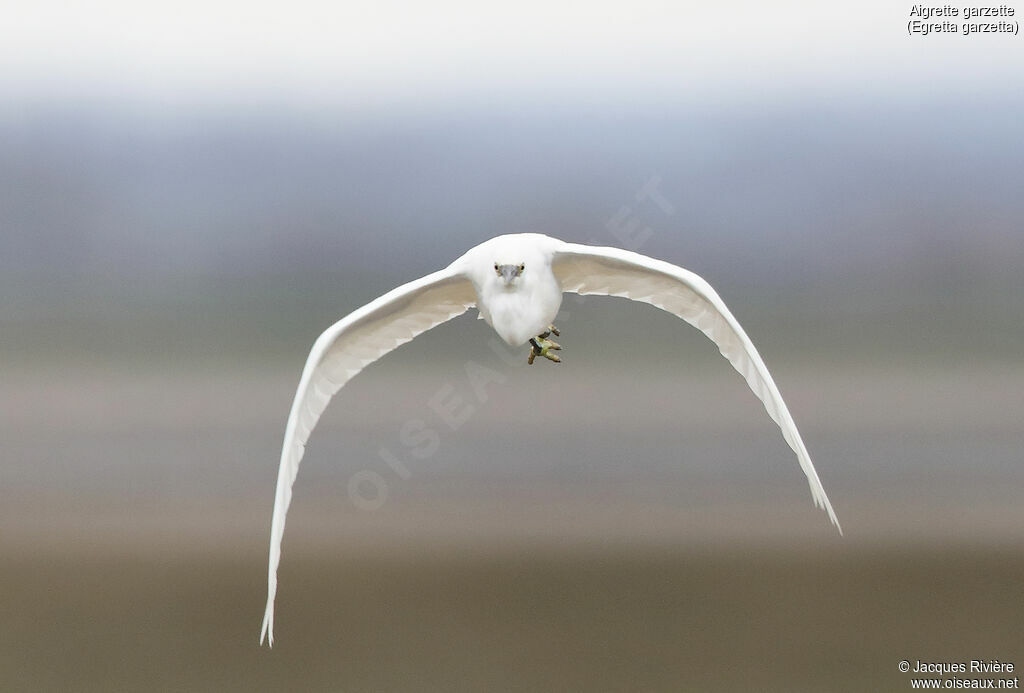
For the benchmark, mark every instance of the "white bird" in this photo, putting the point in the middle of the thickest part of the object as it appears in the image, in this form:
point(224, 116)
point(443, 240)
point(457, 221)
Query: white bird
point(516, 283)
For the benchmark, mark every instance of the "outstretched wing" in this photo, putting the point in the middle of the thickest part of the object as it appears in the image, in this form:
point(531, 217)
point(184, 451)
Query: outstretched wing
point(612, 272)
point(340, 353)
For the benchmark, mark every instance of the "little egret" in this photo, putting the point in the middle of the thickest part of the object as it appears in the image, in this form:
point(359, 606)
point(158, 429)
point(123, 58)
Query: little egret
point(516, 283)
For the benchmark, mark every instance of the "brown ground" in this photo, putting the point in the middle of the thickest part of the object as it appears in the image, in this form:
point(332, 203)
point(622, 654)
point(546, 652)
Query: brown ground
point(505, 619)
point(669, 546)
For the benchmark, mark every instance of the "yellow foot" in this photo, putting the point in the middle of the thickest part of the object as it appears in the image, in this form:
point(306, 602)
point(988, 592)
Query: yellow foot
point(541, 346)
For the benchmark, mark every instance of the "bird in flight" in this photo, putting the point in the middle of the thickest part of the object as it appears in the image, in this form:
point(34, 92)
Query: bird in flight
point(516, 283)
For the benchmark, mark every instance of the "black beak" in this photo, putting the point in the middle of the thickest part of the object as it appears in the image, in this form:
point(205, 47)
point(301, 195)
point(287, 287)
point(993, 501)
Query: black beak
point(509, 272)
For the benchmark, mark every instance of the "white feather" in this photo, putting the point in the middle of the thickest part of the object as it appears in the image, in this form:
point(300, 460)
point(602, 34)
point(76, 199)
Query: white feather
point(517, 310)
point(343, 350)
point(613, 272)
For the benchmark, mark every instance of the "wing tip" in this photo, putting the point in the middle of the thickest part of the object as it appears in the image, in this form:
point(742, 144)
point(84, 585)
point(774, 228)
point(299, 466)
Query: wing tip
point(821, 501)
point(835, 520)
point(267, 631)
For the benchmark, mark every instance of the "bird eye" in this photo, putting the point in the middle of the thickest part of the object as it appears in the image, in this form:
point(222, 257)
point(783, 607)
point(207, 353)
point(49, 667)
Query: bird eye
point(522, 267)
point(497, 270)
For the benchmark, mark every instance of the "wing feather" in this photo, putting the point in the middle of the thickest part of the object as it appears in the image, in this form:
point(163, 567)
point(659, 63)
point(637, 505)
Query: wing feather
point(613, 272)
point(343, 350)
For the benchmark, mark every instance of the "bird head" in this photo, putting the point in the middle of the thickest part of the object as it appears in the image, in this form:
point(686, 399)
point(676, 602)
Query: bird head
point(513, 263)
point(509, 273)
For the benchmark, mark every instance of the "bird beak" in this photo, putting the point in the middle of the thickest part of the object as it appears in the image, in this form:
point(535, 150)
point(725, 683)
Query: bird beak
point(509, 272)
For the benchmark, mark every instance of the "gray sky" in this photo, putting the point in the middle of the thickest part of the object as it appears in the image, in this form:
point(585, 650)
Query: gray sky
point(385, 54)
point(242, 151)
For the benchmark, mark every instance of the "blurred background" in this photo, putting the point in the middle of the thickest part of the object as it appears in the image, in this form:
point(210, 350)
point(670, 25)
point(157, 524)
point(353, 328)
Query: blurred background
point(191, 192)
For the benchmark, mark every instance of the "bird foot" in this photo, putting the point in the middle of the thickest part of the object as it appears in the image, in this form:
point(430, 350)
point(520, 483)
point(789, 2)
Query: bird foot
point(542, 346)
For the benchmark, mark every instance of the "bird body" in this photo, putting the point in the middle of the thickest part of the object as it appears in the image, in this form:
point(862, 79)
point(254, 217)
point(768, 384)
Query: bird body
point(525, 305)
point(516, 283)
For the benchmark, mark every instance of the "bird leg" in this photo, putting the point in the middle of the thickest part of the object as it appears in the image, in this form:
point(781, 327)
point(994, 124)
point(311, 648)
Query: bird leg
point(542, 346)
